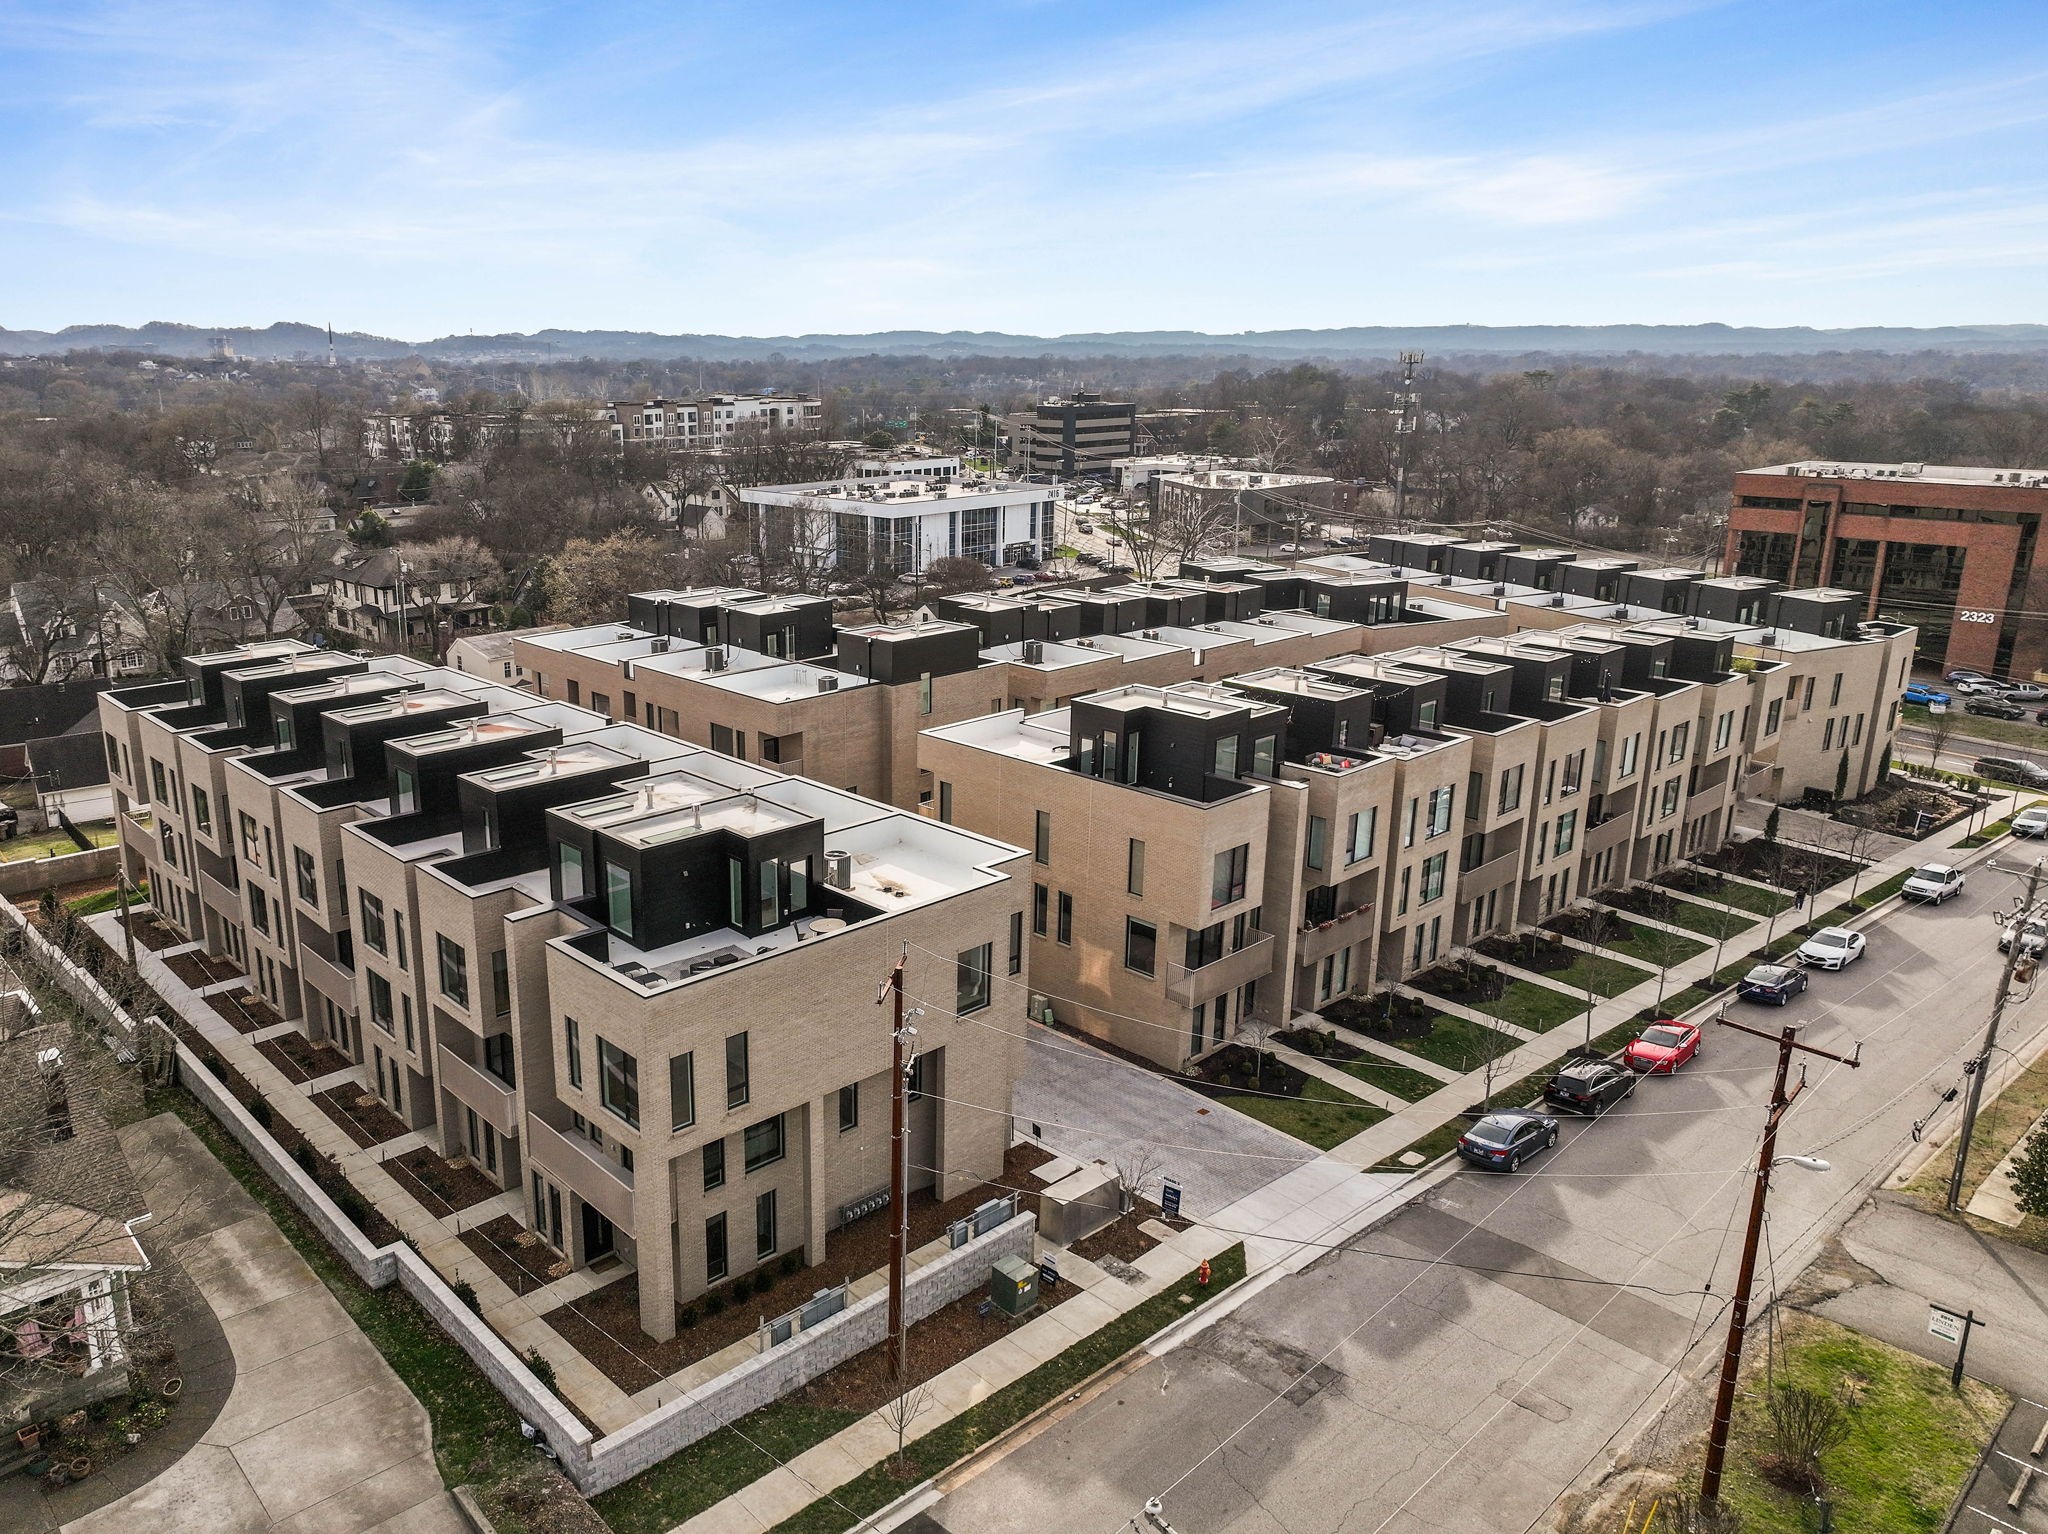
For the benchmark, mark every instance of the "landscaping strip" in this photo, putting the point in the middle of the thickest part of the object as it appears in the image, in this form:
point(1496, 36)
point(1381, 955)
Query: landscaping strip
point(1389, 1077)
point(1323, 1115)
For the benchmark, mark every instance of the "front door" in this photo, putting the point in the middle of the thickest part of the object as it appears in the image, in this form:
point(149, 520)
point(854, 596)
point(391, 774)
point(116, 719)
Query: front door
point(597, 1234)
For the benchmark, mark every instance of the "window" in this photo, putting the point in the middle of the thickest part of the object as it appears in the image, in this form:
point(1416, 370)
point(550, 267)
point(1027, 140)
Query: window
point(1670, 797)
point(1401, 906)
point(259, 911)
point(1227, 875)
point(572, 1034)
point(714, 1165)
point(1724, 730)
point(618, 898)
point(1141, 945)
point(618, 1081)
point(1827, 736)
point(1408, 822)
point(849, 1107)
point(971, 971)
point(380, 1001)
point(1628, 755)
point(1065, 931)
point(501, 984)
point(498, 1058)
point(1016, 942)
point(454, 969)
point(1567, 831)
point(716, 1263)
point(1807, 700)
point(764, 1218)
point(1441, 803)
point(1134, 868)
point(601, 703)
point(308, 874)
point(1041, 839)
point(170, 845)
point(373, 920)
point(1511, 788)
point(248, 824)
point(1265, 755)
point(924, 694)
point(1772, 714)
point(764, 1143)
point(202, 811)
point(1432, 877)
point(405, 795)
point(1224, 761)
point(398, 937)
point(1318, 841)
point(569, 864)
point(727, 741)
point(737, 1089)
point(1835, 692)
point(945, 802)
point(1574, 773)
point(682, 1090)
point(1358, 836)
point(159, 793)
point(1040, 902)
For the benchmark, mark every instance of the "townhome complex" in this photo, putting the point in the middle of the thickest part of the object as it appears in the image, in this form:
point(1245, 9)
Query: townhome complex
point(707, 422)
point(554, 925)
point(621, 973)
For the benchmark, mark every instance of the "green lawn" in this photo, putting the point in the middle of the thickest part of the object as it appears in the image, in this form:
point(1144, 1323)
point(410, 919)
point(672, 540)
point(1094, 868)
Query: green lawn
point(1323, 1115)
point(54, 843)
point(1912, 1441)
point(1968, 727)
point(954, 1440)
point(1652, 947)
point(1694, 917)
point(1389, 1077)
point(1607, 977)
point(1748, 897)
point(1457, 1043)
point(1529, 1005)
point(105, 900)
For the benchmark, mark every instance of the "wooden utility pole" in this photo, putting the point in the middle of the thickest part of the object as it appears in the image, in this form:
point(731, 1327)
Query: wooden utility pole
point(899, 1166)
point(2015, 955)
point(1782, 1098)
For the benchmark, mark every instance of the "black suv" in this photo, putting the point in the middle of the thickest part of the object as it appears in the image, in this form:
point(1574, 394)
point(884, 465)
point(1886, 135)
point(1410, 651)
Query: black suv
point(1590, 1086)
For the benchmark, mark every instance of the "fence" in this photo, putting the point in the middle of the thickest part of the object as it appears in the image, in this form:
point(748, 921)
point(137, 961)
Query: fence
point(985, 1218)
point(593, 1464)
point(821, 1306)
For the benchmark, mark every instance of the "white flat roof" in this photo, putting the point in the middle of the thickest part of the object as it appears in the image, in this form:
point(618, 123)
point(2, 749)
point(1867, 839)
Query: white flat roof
point(1911, 473)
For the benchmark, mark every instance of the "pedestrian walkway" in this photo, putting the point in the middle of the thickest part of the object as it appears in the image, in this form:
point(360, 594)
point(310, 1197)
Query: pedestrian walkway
point(317, 1433)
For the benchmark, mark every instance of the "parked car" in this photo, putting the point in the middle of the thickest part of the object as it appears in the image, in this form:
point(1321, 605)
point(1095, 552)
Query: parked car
point(1980, 684)
point(1089, 557)
point(1991, 706)
point(1120, 569)
point(1663, 1046)
point(2010, 769)
point(1590, 1087)
point(1502, 1141)
point(1831, 948)
point(1924, 693)
point(1775, 983)
point(1964, 674)
point(2023, 692)
point(1288, 548)
point(1932, 882)
point(2033, 935)
point(2031, 822)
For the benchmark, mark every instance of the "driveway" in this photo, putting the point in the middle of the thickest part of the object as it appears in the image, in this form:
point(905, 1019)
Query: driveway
point(317, 1432)
point(1092, 1106)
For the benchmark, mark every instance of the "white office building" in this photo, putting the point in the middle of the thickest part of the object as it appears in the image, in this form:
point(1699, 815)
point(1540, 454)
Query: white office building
point(904, 524)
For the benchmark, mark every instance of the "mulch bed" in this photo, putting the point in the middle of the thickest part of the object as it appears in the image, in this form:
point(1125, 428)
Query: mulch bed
point(154, 933)
point(366, 1126)
point(1386, 1016)
point(300, 1059)
point(1461, 980)
point(938, 1342)
point(523, 1269)
point(198, 971)
point(1233, 1068)
point(1121, 1238)
point(604, 1325)
point(1531, 951)
point(441, 1188)
point(250, 1016)
point(1321, 1044)
point(1779, 863)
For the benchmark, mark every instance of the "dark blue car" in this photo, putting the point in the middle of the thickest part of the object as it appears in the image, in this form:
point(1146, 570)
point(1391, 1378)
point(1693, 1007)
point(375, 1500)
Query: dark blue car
point(1502, 1141)
point(1774, 983)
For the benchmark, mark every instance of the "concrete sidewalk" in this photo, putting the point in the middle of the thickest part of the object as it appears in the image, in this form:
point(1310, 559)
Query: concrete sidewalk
point(317, 1432)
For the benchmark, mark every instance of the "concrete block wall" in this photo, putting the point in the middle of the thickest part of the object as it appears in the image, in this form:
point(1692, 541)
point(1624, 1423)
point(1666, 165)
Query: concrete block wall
point(769, 1376)
point(31, 876)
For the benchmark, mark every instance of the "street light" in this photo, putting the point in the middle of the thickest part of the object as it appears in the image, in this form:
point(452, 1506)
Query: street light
point(1804, 1163)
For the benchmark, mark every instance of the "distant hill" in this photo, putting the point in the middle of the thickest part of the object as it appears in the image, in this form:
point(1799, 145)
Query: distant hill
point(284, 341)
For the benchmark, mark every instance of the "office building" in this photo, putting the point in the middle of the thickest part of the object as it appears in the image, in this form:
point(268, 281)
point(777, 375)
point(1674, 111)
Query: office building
point(1081, 434)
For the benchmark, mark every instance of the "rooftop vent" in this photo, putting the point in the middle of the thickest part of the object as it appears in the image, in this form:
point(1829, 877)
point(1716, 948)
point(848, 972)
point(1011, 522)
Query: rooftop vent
point(714, 658)
point(1770, 636)
point(828, 684)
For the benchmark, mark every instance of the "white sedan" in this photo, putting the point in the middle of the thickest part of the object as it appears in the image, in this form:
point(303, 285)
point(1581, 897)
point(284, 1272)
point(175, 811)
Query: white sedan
point(1831, 948)
point(1933, 882)
point(2032, 821)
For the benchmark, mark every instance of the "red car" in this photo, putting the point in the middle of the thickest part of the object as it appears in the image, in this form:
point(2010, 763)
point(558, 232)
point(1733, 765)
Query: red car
point(1663, 1046)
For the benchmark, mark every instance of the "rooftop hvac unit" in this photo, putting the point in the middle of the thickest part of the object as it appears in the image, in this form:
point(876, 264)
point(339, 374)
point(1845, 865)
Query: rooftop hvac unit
point(714, 658)
point(1770, 636)
point(1557, 600)
point(661, 646)
point(1034, 652)
point(1621, 612)
point(1500, 589)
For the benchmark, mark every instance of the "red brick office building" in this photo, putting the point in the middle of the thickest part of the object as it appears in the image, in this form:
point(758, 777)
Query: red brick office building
point(1954, 551)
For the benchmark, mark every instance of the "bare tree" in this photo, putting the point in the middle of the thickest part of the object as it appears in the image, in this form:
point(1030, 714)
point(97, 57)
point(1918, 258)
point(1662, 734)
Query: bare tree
point(589, 581)
point(902, 1409)
point(444, 577)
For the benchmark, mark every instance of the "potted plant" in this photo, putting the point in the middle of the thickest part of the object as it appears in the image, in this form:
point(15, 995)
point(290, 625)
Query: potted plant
point(29, 1437)
point(170, 1388)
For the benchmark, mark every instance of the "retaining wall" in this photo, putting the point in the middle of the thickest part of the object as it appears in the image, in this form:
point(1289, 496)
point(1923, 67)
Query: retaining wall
point(593, 1465)
point(31, 876)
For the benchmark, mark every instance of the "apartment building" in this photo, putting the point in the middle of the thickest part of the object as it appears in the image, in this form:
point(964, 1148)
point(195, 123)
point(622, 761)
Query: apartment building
point(1257, 504)
point(902, 524)
point(709, 422)
point(1081, 434)
point(1951, 551)
point(442, 435)
point(552, 942)
point(770, 679)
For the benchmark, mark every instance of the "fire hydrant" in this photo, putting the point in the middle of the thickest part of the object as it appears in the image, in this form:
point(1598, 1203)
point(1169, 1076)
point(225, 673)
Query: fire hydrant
point(1202, 1273)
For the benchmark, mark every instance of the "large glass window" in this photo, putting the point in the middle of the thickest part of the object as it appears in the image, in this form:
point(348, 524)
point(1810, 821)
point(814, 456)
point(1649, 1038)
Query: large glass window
point(971, 973)
point(764, 1225)
point(714, 1165)
point(1064, 926)
point(618, 1081)
point(572, 1049)
point(682, 1090)
point(1318, 841)
point(569, 863)
point(737, 1087)
point(1359, 835)
point(764, 1143)
point(618, 898)
point(308, 874)
point(380, 1001)
point(373, 920)
point(849, 1107)
point(1141, 945)
point(454, 967)
point(202, 811)
point(1433, 877)
point(716, 1262)
point(1134, 868)
point(1227, 875)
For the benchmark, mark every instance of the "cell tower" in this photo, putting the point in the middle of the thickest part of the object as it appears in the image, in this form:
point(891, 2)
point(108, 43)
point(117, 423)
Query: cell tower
point(1404, 428)
point(330, 347)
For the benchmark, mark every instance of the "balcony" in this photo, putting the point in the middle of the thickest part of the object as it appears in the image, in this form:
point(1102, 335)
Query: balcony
point(604, 1185)
point(224, 898)
point(1494, 871)
point(480, 1090)
point(1254, 961)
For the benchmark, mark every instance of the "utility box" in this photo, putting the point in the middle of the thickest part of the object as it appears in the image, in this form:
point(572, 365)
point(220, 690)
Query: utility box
point(1013, 1286)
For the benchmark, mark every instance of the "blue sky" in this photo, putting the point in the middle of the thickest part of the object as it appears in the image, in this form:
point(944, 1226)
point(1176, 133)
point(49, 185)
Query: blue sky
point(1042, 166)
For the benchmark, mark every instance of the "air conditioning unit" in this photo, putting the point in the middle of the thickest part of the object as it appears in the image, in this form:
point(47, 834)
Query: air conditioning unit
point(661, 646)
point(838, 869)
point(1558, 600)
point(1034, 652)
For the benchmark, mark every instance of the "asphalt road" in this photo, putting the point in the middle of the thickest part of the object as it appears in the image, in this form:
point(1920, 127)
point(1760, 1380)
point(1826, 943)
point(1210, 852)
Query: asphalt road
point(1466, 1360)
